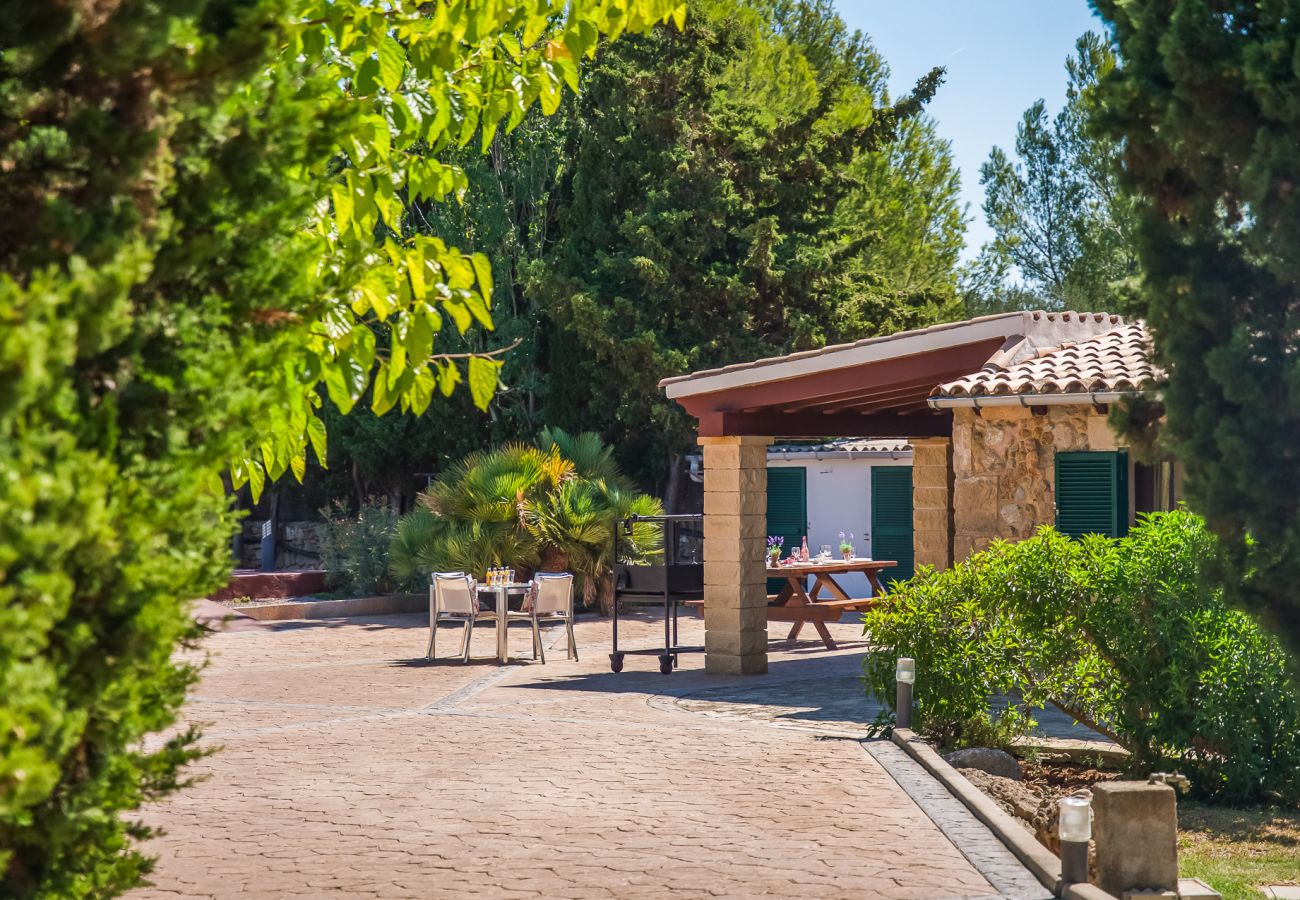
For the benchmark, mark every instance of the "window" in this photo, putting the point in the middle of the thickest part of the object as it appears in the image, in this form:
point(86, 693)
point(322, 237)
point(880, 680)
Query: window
point(1155, 487)
point(1092, 493)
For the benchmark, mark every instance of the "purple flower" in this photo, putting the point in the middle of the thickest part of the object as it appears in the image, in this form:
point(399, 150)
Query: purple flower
point(775, 542)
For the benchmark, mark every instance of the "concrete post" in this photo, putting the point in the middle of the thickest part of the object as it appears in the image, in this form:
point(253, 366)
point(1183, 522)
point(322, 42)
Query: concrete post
point(1135, 829)
point(735, 531)
point(932, 501)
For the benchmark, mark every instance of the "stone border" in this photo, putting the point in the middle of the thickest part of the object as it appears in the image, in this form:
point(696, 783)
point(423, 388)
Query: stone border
point(981, 846)
point(1044, 864)
point(383, 605)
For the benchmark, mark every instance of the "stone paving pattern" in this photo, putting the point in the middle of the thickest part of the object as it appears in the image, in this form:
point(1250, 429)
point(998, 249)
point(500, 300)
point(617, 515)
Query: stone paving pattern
point(351, 767)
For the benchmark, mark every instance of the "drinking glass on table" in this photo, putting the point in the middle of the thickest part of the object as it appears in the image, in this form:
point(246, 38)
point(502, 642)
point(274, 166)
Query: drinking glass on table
point(825, 553)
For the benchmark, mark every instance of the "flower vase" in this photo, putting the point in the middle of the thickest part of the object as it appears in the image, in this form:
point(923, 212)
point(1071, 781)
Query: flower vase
point(847, 554)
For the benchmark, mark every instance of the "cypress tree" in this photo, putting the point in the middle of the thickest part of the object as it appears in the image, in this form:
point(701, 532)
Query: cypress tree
point(1205, 101)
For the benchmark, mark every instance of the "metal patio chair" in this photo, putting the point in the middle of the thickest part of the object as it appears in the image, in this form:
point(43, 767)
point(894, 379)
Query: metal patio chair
point(453, 597)
point(551, 601)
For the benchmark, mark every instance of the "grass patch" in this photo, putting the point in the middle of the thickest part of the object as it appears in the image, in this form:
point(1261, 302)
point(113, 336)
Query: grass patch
point(1238, 851)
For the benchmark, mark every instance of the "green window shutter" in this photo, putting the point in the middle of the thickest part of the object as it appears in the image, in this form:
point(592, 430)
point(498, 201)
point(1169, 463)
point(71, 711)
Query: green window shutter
point(1092, 493)
point(891, 520)
point(787, 504)
point(787, 511)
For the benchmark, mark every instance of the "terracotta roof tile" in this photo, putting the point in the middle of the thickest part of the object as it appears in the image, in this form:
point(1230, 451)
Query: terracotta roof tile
point(1117, 361)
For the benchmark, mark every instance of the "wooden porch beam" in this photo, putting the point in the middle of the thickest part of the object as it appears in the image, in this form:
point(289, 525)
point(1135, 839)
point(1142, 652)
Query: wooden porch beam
point(819, 425)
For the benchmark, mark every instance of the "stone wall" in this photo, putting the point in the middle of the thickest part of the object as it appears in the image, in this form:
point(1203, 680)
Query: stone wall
point(298, 546)
point(1003, 468)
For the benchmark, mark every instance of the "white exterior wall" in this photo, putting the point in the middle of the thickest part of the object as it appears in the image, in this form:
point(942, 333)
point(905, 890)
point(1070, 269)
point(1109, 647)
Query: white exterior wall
point(839, 499)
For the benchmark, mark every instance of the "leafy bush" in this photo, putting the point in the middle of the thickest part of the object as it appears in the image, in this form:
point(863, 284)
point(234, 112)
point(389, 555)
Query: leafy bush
point(164, 311)
point(148, 295)
point(1123, 634)
point(553, 507)
point(354, 550)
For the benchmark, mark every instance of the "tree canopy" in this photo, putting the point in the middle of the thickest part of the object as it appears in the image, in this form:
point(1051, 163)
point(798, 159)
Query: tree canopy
point(1062, 226)
point(736, 190)
point(1204, 103)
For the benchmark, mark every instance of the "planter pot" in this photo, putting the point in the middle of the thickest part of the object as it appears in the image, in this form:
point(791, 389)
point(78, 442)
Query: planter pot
point(847, 554)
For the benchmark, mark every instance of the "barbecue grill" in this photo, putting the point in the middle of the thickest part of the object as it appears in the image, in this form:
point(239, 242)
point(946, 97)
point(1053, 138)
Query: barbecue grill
point(677, 578)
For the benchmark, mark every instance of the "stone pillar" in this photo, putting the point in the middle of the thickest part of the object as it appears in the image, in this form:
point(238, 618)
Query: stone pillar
point(1136, 832)
point(932, 501)
point(735, 538)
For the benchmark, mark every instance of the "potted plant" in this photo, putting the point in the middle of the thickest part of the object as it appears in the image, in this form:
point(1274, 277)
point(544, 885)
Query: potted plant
point(774, 545)
point(846, 546)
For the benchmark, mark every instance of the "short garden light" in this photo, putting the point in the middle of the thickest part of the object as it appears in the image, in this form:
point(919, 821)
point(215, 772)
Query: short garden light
point(905, 675)
point(1075, 830)
point(906, 671)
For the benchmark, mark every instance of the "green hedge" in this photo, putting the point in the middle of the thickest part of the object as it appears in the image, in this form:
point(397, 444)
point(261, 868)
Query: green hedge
point(145, 282)
point(1122, 633)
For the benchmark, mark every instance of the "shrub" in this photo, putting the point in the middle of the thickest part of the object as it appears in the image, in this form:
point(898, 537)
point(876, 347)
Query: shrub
point(147, 298)
point(1123, 634)
point(354, 549)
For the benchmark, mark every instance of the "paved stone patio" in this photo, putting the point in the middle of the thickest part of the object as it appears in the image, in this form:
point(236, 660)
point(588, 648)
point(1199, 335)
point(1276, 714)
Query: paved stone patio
point(349, 766)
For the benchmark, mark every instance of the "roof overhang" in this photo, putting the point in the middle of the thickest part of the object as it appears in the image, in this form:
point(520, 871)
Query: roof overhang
point(876, 387)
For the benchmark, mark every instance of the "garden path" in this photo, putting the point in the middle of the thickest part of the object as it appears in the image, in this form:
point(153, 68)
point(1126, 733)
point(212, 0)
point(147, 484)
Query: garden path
point(350, 767)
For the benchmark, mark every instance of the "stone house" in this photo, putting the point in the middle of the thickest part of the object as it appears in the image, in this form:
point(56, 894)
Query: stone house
point(1031, 444)
point(1006, 416)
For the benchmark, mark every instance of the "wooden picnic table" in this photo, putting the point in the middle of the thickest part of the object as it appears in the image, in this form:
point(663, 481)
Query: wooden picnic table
point(796, 604)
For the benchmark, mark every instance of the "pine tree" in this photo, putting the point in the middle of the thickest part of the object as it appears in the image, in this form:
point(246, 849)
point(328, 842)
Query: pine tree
point(726, 202)
point(1061, 225)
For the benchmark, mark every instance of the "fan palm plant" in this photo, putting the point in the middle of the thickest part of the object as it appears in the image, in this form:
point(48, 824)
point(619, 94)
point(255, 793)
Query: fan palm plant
point(554, 506)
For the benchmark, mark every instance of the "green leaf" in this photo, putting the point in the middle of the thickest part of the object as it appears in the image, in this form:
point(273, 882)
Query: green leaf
point(392, 62)
point(367, 80)
point(256, 479)
point(382, 397)
point(342, 198)
point(421, 393)
point(419, 337)
point(298, 463)
point(484, 375)
point(448, 378)
point(316, 435)
point(483, 270)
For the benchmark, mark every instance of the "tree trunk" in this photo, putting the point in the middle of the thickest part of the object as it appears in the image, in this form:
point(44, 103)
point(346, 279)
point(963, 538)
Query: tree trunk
point(674, 483)
point(606, 594)
point(553, 560)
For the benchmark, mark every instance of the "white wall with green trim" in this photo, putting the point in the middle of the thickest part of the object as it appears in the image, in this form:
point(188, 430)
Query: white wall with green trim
point(839, 499)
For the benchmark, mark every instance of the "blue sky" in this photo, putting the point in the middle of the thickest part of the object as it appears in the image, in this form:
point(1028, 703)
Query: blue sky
point(1001, 56)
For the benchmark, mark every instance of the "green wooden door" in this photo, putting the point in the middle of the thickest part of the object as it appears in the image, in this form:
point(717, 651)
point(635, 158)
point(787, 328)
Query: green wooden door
point(1092, 493)
point(787, 510)
point(891, 520)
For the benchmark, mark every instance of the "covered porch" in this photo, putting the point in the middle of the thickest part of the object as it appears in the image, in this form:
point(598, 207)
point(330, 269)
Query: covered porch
point(873, 388)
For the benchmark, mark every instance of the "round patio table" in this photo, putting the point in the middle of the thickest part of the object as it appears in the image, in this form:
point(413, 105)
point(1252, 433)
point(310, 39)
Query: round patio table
point(503, 592)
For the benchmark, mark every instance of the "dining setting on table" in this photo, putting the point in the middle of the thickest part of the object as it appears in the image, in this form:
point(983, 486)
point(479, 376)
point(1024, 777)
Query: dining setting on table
point(826, 600)
point(458, 597)
point(548, 597)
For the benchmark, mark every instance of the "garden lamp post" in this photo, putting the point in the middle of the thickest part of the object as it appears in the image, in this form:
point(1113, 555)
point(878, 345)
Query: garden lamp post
point(905, 675)
point(1075, 830)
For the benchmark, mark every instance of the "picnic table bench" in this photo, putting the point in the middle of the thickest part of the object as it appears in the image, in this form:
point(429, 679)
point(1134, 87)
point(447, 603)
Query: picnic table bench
point(795, 604)
point(800, 606)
